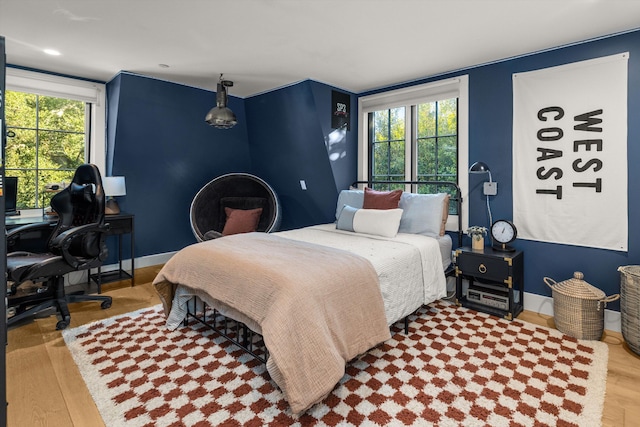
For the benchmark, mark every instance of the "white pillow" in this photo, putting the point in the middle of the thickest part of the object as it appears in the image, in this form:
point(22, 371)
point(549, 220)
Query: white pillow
point(379, 222)
point(423, 213)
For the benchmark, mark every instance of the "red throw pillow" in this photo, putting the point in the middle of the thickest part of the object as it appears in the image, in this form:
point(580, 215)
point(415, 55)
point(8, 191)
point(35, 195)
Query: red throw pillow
point(241, 221)
point(381, 199)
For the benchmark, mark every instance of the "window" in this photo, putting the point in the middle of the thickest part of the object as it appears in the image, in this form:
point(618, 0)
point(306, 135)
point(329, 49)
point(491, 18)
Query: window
point(54, 124)
point(46, 142)
point(434, 144)
point(387, 160)
point(417, 134)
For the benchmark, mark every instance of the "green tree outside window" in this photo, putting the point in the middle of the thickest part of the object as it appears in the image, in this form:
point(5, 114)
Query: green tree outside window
point(46, 142)
point(435, 142)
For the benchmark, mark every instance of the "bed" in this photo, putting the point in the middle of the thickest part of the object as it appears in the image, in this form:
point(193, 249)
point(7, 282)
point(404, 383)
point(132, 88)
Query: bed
point(318, 296)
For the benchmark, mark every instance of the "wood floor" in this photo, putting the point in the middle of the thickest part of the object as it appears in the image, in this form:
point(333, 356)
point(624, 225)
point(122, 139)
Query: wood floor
point(44, 386)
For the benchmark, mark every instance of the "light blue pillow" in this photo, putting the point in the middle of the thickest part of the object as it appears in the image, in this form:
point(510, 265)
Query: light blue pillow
point(345, 218)
point(422, 213)
point(354, 198)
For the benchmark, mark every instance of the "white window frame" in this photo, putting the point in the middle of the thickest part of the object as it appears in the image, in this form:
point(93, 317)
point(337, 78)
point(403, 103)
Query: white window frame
point(434, 91)
point(19, 80)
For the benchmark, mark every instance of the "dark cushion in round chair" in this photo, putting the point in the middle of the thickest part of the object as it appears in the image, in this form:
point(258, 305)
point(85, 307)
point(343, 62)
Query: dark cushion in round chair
point(236, 191)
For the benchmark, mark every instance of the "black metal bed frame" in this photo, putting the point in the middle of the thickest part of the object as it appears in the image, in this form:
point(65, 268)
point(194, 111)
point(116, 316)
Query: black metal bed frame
point(252, 342)
point(233, 331)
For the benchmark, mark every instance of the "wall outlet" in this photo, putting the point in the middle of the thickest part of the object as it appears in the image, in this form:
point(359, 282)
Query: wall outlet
point(490, 188)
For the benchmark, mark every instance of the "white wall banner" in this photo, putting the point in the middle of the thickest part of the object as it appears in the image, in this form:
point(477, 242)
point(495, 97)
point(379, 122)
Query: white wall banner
point(570, 153)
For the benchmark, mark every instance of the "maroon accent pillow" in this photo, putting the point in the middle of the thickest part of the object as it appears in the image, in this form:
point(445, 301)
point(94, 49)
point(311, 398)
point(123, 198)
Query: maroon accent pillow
point(241, 220)
point(381, 199)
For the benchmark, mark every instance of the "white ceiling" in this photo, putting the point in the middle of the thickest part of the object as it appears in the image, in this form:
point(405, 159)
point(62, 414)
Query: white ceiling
point(357, 45)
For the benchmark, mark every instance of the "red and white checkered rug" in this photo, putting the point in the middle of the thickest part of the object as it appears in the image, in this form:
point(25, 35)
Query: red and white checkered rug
point(456, 367)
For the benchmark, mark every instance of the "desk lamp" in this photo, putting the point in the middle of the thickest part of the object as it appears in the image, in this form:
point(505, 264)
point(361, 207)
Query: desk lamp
point(113, 186)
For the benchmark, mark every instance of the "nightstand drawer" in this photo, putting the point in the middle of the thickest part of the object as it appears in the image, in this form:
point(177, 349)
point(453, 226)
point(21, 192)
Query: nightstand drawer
point(490, 268)
point(119, 224)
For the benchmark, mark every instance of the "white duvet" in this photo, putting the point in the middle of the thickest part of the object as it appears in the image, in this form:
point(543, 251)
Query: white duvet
point(409, 266)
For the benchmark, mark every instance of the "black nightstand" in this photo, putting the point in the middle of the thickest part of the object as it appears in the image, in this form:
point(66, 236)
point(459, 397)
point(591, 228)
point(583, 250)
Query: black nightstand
point(496, 284)
point(119, 224)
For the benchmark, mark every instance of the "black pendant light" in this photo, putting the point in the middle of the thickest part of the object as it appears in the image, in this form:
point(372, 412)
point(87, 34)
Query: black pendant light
point(220, 116)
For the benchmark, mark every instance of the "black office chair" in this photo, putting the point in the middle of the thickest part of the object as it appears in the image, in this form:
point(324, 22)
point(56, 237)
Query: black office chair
point(77, 243)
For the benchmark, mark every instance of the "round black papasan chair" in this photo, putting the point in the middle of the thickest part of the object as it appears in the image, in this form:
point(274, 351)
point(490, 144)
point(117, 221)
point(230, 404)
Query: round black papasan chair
point(236, 191)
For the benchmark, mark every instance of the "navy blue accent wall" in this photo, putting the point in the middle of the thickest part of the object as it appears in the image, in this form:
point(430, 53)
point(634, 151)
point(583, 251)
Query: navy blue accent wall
point(166, 151)
point(287, 131)
point(490, 141)
point(343, 155)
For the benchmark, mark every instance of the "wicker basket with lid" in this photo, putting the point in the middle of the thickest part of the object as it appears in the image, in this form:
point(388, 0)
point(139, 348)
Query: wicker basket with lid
point(578, 307)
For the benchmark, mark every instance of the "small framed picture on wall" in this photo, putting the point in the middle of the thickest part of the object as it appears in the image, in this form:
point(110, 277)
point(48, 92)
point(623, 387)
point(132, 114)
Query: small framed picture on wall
point(340, 107)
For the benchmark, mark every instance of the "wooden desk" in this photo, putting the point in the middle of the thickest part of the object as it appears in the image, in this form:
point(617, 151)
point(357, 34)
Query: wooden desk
point(11, 222)
point(35, 240)
point(119, 224)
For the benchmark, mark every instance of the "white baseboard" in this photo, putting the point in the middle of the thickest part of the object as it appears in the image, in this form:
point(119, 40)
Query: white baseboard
point(141, 262)
point(544, 305)
point(156, 259)
point(79, 277)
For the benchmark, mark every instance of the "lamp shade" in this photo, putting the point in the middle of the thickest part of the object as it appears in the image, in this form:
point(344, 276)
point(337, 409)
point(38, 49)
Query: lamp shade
point(114, 186)
point(220, 116)
point(479, 167)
